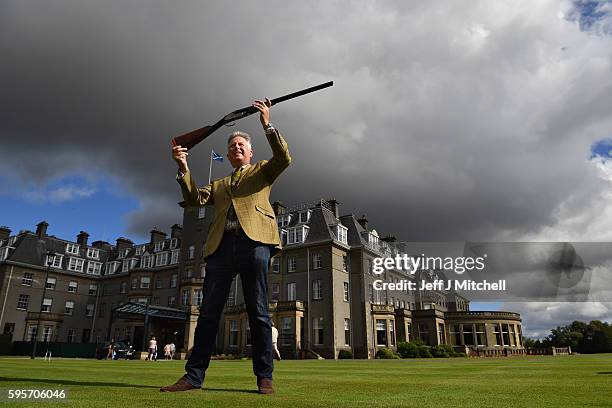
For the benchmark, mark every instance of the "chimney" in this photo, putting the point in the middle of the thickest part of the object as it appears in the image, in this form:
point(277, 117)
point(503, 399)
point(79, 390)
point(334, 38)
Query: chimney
point(279, 208)
point(5, 232)
point(123, 243)
point(363, 221)
point(101, 245)
point(334, 206)
point(157, 235)
point(41, 229)
point(177, 231)
point(82, 238)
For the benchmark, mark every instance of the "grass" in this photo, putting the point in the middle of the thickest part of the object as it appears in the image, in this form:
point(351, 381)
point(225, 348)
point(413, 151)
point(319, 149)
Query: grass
point(542, 381)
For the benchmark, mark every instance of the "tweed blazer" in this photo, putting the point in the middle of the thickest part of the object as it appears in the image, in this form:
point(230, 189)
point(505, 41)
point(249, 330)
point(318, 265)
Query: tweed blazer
point(251, 197)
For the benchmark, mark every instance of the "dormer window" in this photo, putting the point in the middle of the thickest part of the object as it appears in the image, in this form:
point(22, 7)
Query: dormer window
point(159, 246)
point(173, 243)
point(304, 216)
point(341, 233)
point(11, 241)
point(297, 235)
point(72, 249)
point(93, 253)
point(140, 249)
point(147, 261)
point(284, 220)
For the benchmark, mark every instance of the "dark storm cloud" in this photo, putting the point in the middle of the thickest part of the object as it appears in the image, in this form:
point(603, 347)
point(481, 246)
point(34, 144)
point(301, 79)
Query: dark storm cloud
point(447, 121)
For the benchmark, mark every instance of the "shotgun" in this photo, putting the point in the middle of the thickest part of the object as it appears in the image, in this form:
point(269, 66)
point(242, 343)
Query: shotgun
point(194, 137)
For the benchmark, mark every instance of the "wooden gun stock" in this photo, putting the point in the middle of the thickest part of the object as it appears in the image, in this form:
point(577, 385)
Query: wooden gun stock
point(194, 137)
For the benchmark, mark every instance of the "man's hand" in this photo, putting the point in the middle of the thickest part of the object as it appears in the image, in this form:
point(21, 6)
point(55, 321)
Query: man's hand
point(264, 111)
point(179, 154)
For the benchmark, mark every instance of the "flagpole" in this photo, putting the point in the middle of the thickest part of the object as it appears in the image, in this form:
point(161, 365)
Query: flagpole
point(210, 167)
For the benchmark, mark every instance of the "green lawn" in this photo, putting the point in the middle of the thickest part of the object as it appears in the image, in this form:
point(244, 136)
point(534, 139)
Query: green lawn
point(565, 381)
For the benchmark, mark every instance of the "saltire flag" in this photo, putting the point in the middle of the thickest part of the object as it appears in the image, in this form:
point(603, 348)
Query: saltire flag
point(216, 157)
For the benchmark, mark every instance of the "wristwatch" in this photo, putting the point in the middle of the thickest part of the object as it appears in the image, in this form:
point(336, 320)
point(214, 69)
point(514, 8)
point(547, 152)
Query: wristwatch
point(270, 128)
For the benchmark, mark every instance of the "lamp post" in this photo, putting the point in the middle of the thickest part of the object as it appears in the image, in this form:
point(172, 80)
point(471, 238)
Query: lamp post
point(50, 259)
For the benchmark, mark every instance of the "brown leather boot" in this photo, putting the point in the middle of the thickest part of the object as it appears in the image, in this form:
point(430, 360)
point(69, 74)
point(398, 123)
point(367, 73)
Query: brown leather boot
point(180, 385)
point(265, 386)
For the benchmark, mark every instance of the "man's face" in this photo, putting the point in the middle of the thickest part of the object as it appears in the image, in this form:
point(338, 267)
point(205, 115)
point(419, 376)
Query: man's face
point(239, 151)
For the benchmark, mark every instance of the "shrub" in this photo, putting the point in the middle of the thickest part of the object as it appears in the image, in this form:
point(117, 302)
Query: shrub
point(345, 354)
point(407, 349)
point(423, 351)
point(439, 351)
point(386, 353)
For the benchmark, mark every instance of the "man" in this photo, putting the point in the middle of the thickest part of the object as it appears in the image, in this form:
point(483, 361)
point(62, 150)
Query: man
point(240, 240)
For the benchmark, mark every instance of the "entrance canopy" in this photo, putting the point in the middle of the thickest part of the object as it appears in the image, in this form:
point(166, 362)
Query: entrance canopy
point(132, 308)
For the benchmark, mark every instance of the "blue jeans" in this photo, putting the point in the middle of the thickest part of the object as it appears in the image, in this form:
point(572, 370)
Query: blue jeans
point(237, 254)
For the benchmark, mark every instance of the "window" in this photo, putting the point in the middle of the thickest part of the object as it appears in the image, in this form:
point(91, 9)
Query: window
point(51, 283)
point(284, 220)
point(297, 235)
point(47, 331)
point(123, 288)
point(346, 291)
point(287, 331)
point(197, 297)
point(55, 261)
point(141, 249)
point(69, 308)
point(233, 335)
point(72, 249)
point(441, 334)
point(158, 283)
point(72, 333)
point(191, 251)
point(46, 305)
point(94, 268)
point(27, 279)
point(147, 261)
point(9, 329)
point(161, 259)
point(93, 289)
point(32, 332)
point(505, 336)
point(173, 243)
point(76, 264)
point(497, 333)
point(291, 289)
point(134, 283)
point(481, 337)
point(173, 279)
point(304, 216)
point(344, 263)
point(202, 271)
point(159, 246)
point(89, 310)
point(291, 264)
point(145, 282)
point(93, 253)
point(188, 272)
point(126, 265)
point(201, 212)
point(72, 287)
point(283, 236)
point(347, 332)
point(381, 332)
point(317, 261)
point(4, 253)
point(175, 256)
point(341, 232)
point(408, 331)
point(111, 267)
point(456, 334)
point(185, 297)
point(317, 289)
point(276, 264)
point(171, 301)
point(22, 302)
point(317, 327)
point(276, 291)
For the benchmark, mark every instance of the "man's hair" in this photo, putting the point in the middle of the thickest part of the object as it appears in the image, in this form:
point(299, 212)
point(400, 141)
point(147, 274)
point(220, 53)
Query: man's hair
point(238, 133)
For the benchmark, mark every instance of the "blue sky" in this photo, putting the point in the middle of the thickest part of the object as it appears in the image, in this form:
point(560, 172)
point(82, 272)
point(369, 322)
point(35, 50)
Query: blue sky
point(69, 205)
